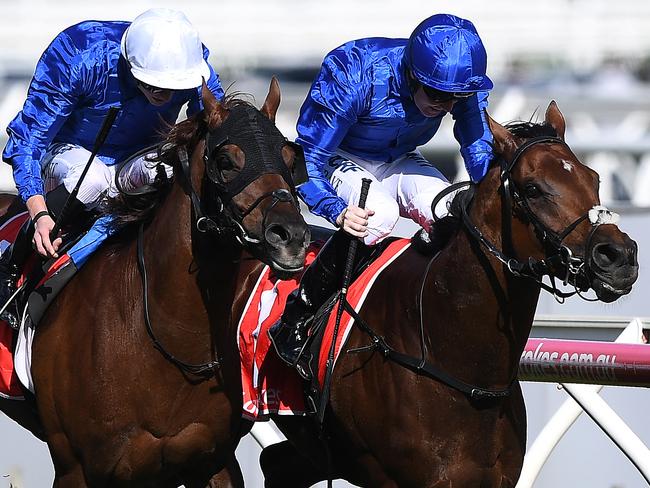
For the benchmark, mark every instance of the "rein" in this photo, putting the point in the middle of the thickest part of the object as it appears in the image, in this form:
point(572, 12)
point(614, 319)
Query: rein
point(204, 371)
point(421, 365)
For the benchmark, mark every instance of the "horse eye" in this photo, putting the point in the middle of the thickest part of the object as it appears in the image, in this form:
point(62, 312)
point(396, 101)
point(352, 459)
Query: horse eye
point(224, 161)
point(532, 190)
point(227, 168)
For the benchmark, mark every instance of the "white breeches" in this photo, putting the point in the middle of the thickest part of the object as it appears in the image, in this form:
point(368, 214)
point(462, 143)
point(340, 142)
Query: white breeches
point(405, 187)
point(64, 163)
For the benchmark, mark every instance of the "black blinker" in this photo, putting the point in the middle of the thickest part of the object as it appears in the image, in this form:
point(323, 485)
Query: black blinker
point(299, 170)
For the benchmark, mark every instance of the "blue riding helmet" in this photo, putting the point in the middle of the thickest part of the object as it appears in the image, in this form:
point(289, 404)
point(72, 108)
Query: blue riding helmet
point(446, 53)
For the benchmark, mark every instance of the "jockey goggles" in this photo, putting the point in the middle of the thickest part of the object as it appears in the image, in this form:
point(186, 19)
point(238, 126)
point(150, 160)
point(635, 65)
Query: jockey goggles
point(443, 96)
point(154, 90)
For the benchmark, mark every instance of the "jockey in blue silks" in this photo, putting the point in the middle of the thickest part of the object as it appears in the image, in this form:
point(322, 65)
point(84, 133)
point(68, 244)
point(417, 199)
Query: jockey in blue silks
point(148, 69)
point(373, 103)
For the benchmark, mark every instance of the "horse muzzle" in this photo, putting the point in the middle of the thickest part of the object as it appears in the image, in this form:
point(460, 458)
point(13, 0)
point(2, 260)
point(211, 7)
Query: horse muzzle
point(285, 244)
point(613, 265)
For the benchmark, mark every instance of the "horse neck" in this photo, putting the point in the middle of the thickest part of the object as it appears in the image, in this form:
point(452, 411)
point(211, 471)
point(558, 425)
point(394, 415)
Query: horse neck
point(184, 265)
point(490, 309)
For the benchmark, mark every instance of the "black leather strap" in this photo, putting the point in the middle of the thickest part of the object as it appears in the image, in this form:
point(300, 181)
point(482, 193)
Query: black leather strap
point(424, 367)
point(204, 371)
point(40, 214)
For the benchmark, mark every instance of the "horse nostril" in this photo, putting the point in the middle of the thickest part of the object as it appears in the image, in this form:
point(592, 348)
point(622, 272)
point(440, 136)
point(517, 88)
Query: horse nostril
point(608, 255)
point(277, 235)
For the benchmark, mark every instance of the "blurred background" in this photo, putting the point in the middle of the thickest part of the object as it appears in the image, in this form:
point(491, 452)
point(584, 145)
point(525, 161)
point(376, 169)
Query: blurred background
point(591, 56)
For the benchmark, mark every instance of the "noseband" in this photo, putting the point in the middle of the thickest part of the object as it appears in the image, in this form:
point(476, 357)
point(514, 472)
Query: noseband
point(557, 254)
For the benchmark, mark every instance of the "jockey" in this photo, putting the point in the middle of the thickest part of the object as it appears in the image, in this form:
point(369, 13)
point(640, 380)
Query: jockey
point(148, 69)
point(373, 103)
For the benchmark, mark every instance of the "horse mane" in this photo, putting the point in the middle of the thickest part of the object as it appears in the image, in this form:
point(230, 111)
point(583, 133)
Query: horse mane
point(527, 130)
point(130, 210)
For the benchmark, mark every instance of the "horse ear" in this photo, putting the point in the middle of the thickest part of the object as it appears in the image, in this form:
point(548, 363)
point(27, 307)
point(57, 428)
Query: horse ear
point(555, 119)
point(505, 143)
point(214, 112)
point(272, 102)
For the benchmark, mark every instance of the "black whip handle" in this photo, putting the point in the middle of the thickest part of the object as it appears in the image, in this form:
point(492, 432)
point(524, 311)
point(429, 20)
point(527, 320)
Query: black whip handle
point(352, 251)
point(347, 276)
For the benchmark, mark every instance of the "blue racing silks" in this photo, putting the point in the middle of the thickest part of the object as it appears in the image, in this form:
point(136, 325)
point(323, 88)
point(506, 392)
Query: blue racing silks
point(78, 78)
point(361, 103)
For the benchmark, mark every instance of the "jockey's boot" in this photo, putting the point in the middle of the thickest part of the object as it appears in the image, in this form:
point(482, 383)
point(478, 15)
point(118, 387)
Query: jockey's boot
point(319, 282)
point(11, 261)
point(75, 213)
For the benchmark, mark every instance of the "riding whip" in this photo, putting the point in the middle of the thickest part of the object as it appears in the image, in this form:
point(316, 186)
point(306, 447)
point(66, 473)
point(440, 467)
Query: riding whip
point(347, 276)
point(99, 141)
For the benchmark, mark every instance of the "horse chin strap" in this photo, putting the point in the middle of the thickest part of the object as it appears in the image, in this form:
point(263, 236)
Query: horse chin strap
point(558, 255)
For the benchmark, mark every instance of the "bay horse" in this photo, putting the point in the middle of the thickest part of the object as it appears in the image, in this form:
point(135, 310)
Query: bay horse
point(463, 315)
point(136, 381)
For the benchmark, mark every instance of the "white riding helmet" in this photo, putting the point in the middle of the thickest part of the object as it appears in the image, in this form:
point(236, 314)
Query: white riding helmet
point(163, 50)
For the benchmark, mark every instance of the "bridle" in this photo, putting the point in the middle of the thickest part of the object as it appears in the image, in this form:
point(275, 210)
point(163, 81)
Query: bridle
point(217, 215)
point(261, 143)
point(557, 254)
point(225, 219)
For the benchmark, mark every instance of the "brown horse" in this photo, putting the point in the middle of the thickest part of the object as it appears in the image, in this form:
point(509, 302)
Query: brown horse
point(136, 383)
point(398, 420)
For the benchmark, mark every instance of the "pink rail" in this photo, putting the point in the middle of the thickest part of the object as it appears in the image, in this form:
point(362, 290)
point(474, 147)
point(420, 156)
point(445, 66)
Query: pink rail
point(593, 362)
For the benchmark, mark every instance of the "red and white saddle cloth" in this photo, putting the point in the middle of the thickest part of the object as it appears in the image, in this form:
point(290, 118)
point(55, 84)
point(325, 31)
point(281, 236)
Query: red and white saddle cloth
point(9, 383)
point(269, 385)
point(16, 347)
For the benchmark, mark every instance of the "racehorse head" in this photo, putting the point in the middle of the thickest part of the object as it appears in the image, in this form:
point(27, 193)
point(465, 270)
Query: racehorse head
point(554, 199)
point(248, 180)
